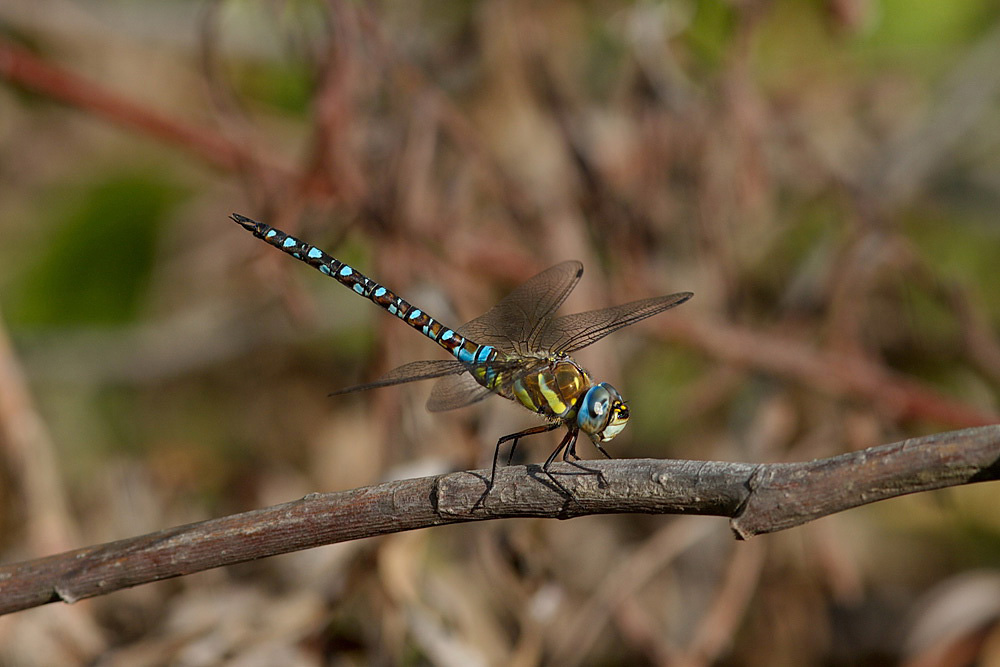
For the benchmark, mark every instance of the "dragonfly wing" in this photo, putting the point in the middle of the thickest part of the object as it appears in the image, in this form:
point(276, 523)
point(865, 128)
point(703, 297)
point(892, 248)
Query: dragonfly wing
point(461, 390)
point(456, 391)
point(515, 322)
point(572, 332)
point(411, 372)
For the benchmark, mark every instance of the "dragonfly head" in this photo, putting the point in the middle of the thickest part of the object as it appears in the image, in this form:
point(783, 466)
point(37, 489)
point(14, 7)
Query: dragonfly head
point(603, 413)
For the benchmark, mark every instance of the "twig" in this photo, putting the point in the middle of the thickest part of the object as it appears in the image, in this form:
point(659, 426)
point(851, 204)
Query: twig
point(20, 66)
point(26, 446)
point(759, 498)
point(715, 631)
point(624, 580)
point(895, 394)
point(27, 450)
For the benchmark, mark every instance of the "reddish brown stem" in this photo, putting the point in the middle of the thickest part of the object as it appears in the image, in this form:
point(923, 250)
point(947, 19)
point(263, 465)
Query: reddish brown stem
point(20, 66)
point(898, 396)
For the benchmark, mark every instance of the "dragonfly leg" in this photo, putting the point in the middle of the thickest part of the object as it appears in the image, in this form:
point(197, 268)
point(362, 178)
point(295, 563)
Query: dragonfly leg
point(600, 449)
point(568, 443)
point(544, 428)
point(568, 449)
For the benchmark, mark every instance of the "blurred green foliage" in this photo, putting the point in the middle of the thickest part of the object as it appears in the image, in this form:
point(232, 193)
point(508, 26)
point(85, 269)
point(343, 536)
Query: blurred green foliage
point(286, 86)
point(95, 266)
point(936, 28)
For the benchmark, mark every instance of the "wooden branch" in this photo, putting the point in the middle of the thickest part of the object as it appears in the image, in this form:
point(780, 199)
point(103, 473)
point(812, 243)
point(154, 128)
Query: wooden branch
point(758, 498)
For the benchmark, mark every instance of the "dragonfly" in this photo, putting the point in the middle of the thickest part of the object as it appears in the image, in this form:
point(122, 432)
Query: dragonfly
point(519, 350)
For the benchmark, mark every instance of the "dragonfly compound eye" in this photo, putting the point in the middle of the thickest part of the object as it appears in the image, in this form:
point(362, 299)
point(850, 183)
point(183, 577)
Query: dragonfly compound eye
point(603, 413)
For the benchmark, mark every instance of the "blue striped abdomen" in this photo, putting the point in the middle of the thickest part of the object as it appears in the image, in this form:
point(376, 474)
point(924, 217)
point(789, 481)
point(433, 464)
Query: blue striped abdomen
point(461, 348)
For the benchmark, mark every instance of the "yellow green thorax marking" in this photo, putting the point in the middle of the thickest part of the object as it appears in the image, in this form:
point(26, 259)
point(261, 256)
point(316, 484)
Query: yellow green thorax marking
point(552, 389)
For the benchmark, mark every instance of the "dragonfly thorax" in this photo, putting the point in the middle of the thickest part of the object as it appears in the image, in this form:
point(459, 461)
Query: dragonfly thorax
point(560, 389)
point(552, 387)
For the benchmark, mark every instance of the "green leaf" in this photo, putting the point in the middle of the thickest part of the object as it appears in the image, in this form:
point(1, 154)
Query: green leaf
point(96, 265)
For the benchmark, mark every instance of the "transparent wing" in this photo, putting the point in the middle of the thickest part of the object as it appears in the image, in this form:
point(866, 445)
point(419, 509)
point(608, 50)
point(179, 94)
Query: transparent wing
point(459, 391)
point(456, 391)
point(513, 325)
point(411, 372)
point(572, 332)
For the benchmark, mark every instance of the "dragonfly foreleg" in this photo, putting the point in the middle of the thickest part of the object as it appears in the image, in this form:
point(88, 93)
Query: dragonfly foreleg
point(568, 449)
point(600, 449)
point(571, 451)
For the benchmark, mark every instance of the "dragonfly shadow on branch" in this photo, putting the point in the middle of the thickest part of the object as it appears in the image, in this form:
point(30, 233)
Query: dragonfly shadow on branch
point(519, 349)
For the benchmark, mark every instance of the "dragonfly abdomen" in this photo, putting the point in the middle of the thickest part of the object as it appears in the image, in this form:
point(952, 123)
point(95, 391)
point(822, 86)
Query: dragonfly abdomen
point(460, 347)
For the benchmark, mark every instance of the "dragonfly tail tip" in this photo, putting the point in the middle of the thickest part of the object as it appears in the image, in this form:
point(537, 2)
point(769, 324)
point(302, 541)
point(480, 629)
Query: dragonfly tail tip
point(244, 221)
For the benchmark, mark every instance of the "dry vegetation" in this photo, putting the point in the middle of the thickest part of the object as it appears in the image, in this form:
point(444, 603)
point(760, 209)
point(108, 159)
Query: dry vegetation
point(823, 176)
